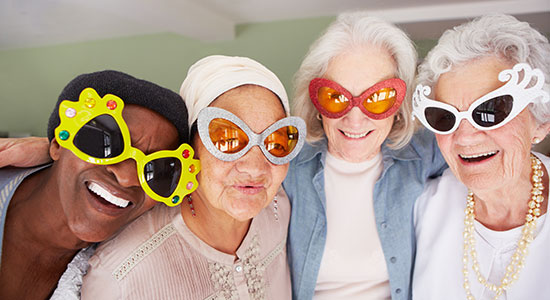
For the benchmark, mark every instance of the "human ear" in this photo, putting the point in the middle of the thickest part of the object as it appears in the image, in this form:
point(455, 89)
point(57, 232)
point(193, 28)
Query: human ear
point(55, 150)
point(541, 132)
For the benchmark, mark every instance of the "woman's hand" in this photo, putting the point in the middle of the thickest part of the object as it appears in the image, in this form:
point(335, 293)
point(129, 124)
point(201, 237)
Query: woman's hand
point(24, 152)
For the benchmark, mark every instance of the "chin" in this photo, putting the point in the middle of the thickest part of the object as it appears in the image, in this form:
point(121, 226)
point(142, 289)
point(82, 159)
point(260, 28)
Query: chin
point(480, 181)
point(243, 216)
point(93, 237)
point(92, 234)
point(246, 212)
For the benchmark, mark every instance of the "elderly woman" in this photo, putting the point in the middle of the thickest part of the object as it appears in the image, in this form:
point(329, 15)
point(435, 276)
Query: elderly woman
point(228, 240)
point(353, 186)
point(481, 229)
point(97, 134)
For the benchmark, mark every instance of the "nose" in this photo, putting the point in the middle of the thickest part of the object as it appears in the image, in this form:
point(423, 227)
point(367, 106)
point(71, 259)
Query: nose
point(466, 134)
point(253, 163)
point(355, 117)
point(125, 173)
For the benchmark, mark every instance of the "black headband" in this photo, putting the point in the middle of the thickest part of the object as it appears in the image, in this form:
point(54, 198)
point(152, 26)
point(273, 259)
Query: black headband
point(132, 91)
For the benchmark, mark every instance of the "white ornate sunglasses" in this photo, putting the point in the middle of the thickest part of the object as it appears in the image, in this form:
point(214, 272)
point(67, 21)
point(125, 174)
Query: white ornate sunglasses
point(492, 110)
point(228, 138)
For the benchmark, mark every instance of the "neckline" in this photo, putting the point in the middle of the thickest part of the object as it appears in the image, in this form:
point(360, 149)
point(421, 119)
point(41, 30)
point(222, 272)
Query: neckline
point(210, 252)
point(347, 167)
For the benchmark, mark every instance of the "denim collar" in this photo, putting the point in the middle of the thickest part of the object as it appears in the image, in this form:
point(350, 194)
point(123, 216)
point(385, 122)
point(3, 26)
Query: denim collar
point(320, 148)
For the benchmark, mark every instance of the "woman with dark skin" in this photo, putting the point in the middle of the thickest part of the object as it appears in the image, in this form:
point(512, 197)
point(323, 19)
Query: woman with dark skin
point(49, 213)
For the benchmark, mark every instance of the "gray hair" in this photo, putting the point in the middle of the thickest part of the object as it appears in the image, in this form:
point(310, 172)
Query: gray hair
point(491, 35)
point(351, 30)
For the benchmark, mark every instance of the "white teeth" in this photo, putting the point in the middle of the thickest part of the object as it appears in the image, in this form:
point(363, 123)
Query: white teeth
point(477, 155)
point(355, 136)
point(103, 193)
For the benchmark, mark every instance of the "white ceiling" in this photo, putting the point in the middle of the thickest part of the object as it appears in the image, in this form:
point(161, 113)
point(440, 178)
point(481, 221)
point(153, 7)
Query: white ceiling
point(32, 23)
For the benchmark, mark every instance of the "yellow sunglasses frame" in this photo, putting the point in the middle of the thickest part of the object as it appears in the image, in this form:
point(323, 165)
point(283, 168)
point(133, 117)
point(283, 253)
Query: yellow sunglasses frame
point(74, 115)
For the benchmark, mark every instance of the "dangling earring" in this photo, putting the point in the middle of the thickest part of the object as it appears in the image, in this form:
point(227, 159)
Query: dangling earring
point(275, 208)
point(397, 117)
point(319, 117)
point(190, 201)
point(536, 140)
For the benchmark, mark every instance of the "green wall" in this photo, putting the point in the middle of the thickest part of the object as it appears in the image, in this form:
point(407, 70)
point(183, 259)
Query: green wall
point(31, 79)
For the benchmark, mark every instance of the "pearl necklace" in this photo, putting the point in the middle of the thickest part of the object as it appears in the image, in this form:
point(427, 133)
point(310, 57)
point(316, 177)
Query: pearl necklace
point(518, 258)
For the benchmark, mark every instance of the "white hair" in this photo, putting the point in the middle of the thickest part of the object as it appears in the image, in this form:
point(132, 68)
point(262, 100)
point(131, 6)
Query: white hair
point(354, 30)
point(497, 35)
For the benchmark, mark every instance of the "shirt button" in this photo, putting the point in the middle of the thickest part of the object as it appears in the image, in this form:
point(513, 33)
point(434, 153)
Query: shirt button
point(393, 259)
point(398, 291)
point(239, 268)
point(383, 225)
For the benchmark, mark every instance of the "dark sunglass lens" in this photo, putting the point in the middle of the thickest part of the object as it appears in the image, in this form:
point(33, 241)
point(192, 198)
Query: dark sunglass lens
point(162, 175)
point(100, 138)
point(440, 119)
point(493, 111)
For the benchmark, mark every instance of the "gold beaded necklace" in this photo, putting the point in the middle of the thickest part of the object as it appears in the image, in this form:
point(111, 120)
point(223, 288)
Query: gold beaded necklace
point(518, 258)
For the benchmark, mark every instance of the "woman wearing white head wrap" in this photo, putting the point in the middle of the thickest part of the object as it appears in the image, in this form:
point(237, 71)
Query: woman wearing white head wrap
point(228, 240)
point(214, 75)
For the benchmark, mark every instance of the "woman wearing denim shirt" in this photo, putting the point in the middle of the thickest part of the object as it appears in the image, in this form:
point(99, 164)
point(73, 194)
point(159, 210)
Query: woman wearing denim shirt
point(353, 186)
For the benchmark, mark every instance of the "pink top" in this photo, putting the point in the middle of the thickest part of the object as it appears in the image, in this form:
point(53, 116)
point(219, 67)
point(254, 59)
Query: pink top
point(158, 257)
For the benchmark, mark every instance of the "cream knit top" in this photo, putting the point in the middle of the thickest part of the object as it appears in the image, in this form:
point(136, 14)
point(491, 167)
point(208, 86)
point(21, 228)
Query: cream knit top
point(158, 257)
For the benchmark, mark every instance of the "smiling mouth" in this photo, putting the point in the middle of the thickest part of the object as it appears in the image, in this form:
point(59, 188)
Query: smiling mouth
point(107, 196)
point(355, 136)
point(477, 157)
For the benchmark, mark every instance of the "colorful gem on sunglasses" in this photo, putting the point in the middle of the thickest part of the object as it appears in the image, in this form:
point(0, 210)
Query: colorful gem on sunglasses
point(111, 104)
point(378, 102)
point(70, 112)
point(189, 185)
point(185, 153)
point(64, 135)
point(491, 111)
point(176, 199)
point(192, 169)
point(90, 102)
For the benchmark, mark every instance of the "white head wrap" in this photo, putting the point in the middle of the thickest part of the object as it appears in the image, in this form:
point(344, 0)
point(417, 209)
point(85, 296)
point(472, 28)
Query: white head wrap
point(214, 75)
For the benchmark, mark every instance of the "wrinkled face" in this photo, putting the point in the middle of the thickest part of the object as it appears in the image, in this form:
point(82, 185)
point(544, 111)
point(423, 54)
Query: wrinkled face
point(354, 137)
point(243, 187)
point(492, 159)
point(89, 193)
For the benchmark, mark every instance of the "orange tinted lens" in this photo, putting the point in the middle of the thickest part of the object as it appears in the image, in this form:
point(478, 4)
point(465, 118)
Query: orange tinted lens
point(282, 141)
point(380, 101)
point(332, 100)
point(226, 136)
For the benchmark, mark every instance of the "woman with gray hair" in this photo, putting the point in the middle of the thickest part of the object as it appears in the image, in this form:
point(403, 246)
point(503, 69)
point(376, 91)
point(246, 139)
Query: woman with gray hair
point(481, 228)
point(227, 240)
point(353, 186)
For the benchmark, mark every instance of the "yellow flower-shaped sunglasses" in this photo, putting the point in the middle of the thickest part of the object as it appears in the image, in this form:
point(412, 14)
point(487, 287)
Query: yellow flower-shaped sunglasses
point(93, 129)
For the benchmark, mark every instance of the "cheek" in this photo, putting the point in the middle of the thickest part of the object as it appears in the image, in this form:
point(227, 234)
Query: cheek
point(211, 174)
point(68, 161)
point(444, 142)
point(147, 205)
point(515, 142)
point(384, 125)
point(279, 174)
point(330, 126)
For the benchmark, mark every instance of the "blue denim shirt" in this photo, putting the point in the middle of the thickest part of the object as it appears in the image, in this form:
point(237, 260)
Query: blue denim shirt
point(403, 177)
